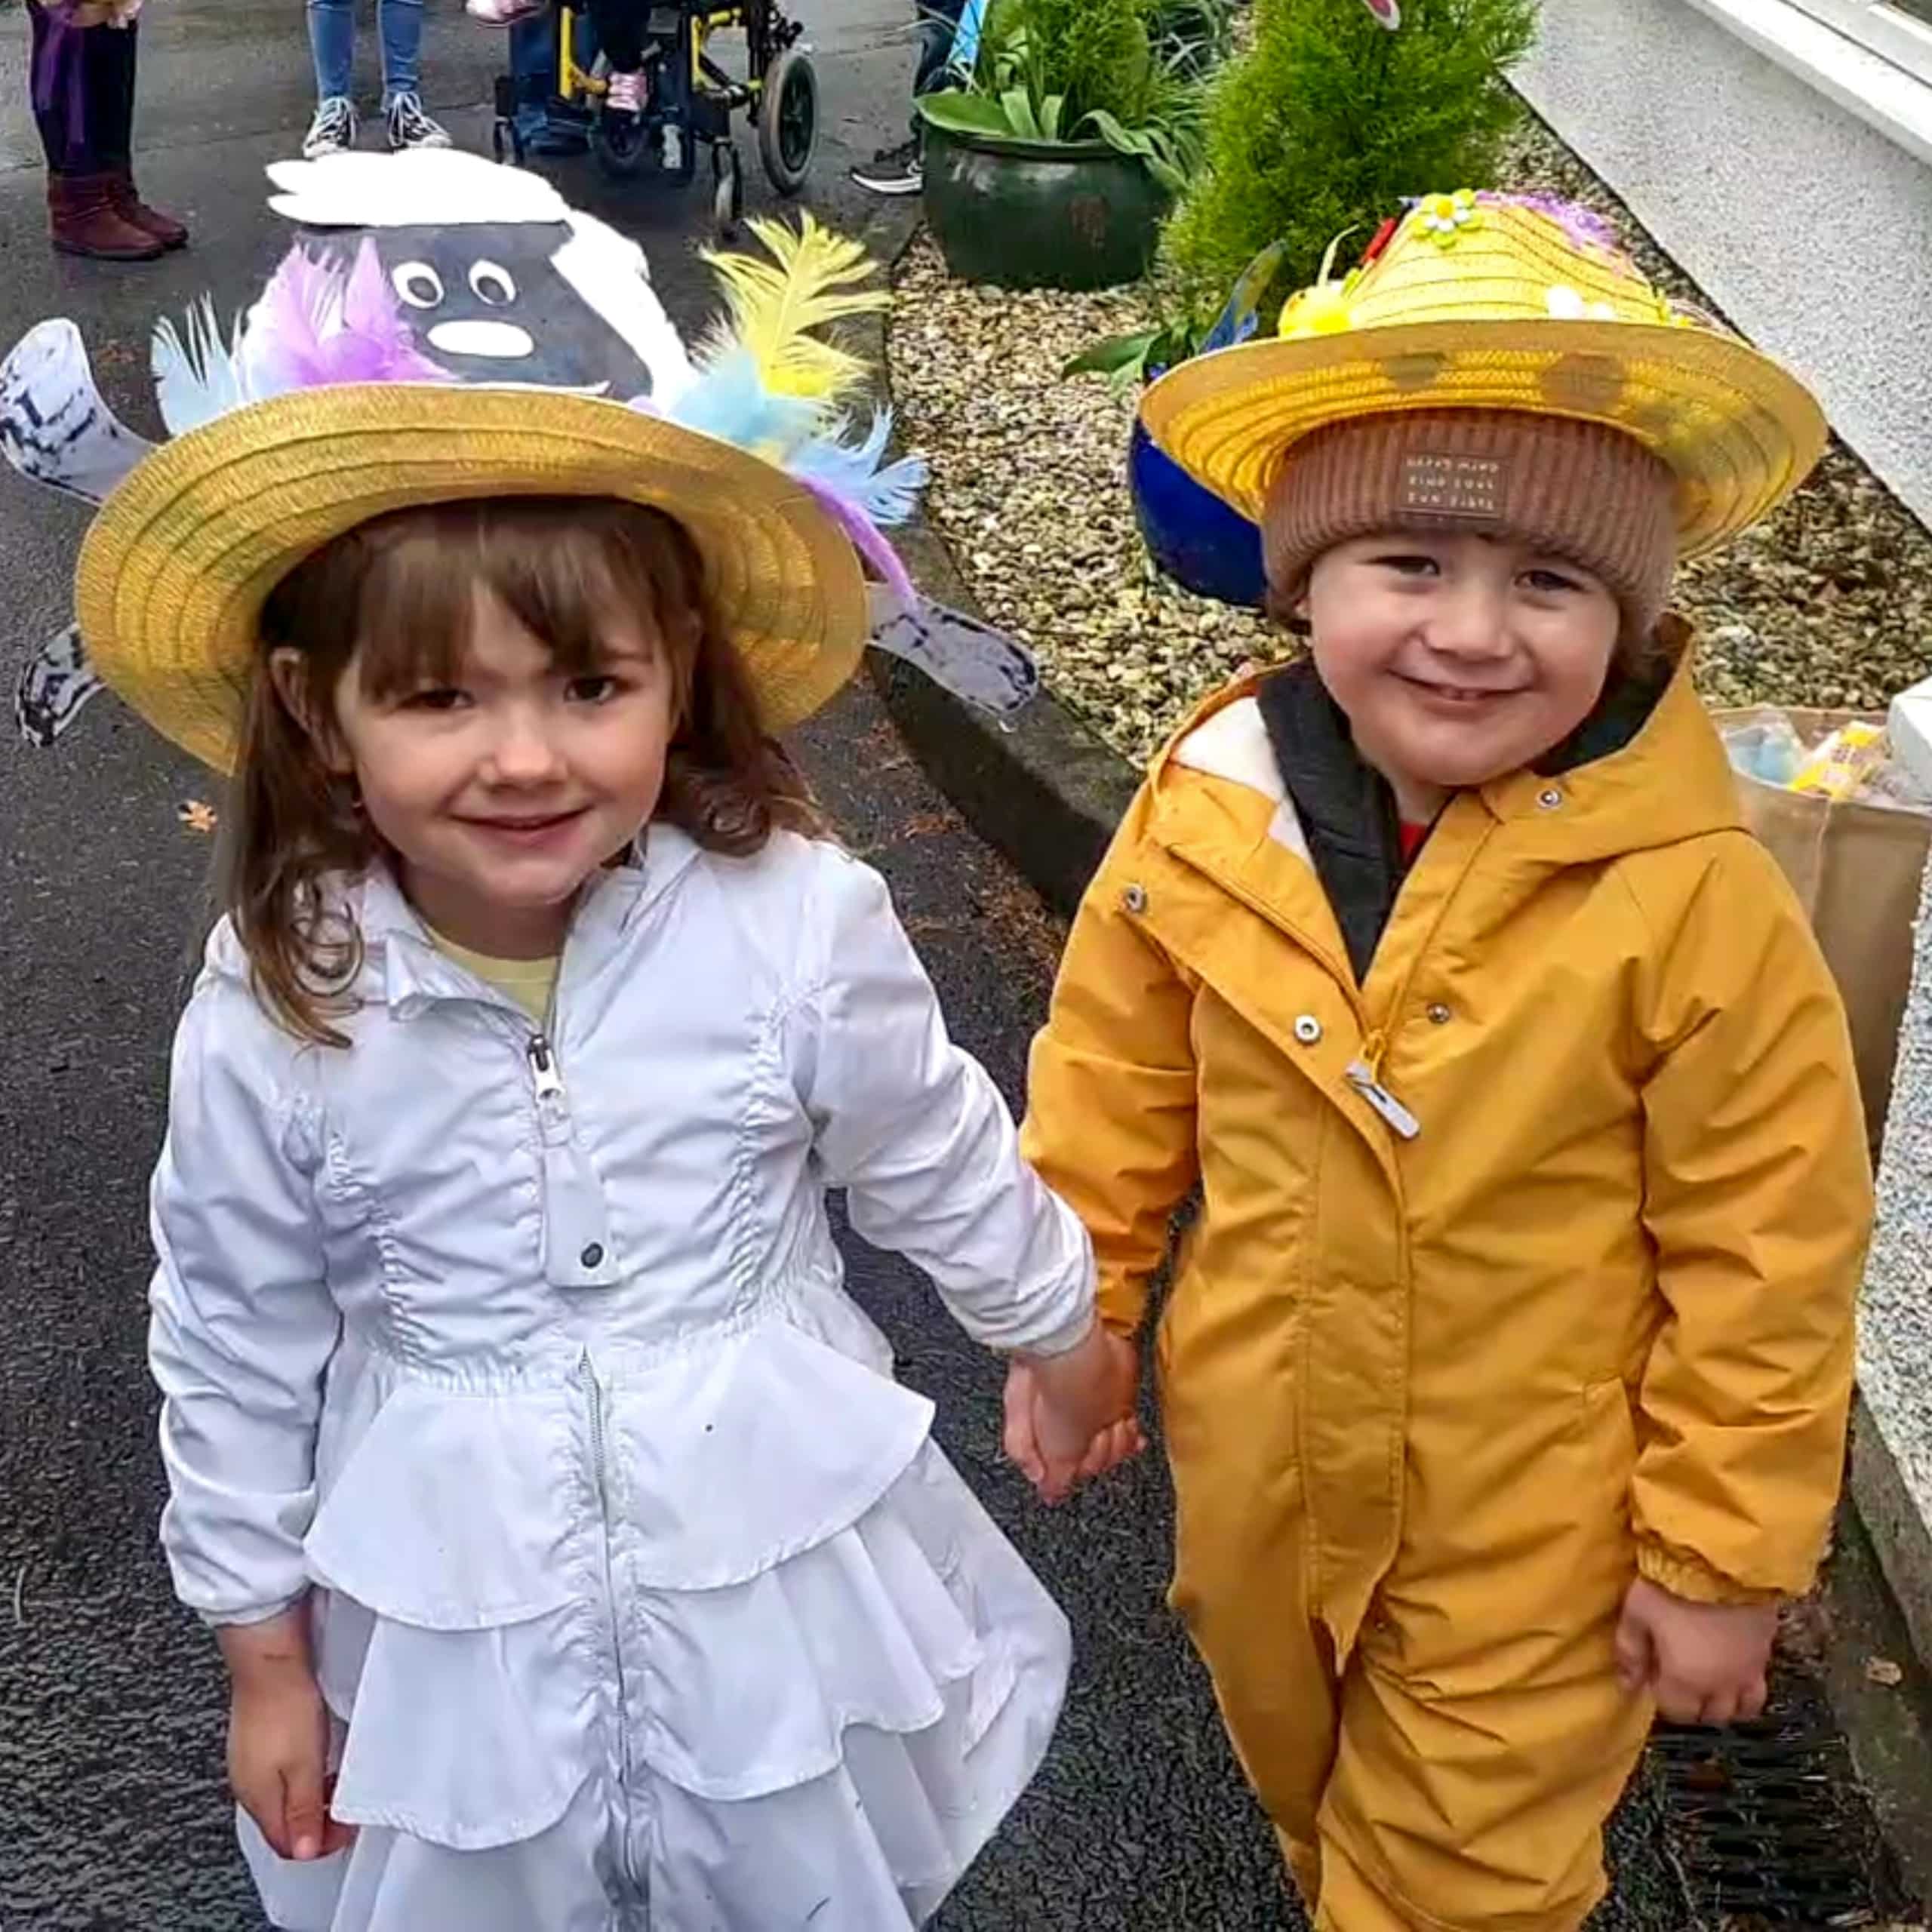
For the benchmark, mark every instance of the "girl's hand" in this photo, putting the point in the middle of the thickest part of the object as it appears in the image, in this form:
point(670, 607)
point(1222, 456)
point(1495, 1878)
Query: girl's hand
point(1070, 1417)
point(1705, 1663)
point(278, 1736)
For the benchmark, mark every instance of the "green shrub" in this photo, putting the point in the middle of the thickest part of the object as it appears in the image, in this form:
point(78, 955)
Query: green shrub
point(1124, 71)
point(1329, 119)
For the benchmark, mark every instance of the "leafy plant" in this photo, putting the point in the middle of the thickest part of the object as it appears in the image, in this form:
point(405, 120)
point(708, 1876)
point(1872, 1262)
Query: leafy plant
point(1186, 329)
point(1329, 119)
point(1129, 360)
point(1199, 33)
point(1068, 70)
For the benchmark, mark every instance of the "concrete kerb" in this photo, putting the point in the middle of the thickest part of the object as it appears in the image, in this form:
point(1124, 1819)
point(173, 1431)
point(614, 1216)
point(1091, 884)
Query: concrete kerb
point(1041, 788)
point(1047, 792)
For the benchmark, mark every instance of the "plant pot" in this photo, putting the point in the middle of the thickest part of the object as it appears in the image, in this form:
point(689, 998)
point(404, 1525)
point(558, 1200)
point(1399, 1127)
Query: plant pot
point(1197, 539)
point(1040, 215)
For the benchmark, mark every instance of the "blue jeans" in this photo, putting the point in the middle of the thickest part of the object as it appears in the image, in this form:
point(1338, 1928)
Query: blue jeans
point(533, 68)
point(332, 41)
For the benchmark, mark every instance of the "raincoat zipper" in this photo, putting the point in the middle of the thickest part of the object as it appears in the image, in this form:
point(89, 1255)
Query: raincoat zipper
point(1361, 1075)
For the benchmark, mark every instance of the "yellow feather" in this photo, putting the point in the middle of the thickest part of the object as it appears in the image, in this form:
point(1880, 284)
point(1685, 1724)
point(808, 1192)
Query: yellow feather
point(774, 305)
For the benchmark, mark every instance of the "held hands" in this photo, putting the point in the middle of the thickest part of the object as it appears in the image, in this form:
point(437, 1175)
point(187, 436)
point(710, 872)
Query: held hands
point(277, 1737)
point(1070, 1417)
point(1704, 1663)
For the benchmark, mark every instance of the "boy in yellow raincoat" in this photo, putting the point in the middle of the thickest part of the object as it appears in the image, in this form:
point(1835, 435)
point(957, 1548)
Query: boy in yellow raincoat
point(1506, 1370)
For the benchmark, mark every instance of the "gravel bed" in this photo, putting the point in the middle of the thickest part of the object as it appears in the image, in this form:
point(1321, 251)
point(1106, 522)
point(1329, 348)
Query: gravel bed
point(1828, 603)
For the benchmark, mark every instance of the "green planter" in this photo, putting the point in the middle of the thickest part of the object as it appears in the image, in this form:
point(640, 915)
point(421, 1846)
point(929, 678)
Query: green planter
point(1040, 215)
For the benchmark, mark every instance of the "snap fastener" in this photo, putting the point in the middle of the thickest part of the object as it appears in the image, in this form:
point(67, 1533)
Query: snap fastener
point(1550, 800)
point(1308, 1030)
point(592, 1256)
point(1439, 1015)
point(1135, 898)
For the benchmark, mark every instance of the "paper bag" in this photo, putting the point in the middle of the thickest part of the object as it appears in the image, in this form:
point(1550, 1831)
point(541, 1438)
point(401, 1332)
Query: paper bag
point(1858, 871)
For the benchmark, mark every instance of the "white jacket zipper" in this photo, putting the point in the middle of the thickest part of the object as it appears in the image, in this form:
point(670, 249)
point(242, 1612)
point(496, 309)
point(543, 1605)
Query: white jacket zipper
point(600, 1475)
point(576, 1233)
point(551, 1097)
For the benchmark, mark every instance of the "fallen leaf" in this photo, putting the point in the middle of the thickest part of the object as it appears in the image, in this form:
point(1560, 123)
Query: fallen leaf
point(197, 816)
point(1882, 1670)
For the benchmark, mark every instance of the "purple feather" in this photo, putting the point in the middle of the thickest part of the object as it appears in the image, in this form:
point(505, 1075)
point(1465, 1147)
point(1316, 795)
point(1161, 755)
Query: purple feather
point(1584, 226)
point(866, 538)
point(315, 327)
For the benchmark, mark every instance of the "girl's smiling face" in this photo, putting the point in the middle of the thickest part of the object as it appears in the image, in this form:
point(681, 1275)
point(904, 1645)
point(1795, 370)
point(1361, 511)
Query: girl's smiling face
point(1458, 658)
point(500, 787)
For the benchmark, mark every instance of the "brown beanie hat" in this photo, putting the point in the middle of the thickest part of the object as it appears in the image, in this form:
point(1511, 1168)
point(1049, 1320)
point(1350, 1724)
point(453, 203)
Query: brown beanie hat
point(1579, 490)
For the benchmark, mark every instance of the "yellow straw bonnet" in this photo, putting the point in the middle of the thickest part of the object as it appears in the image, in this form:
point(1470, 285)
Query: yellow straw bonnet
point(175, 570)
point(1477, 301)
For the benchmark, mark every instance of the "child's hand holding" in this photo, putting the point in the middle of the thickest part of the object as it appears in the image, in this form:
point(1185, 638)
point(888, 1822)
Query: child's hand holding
point(1704, 1663)
point(278, 1735)
point(1070, 1417)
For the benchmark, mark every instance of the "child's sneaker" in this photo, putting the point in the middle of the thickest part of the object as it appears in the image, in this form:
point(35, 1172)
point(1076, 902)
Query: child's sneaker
point(626, 95)
point(409, 127)
point(896, 171)
point(503, 13)
point(333, 131)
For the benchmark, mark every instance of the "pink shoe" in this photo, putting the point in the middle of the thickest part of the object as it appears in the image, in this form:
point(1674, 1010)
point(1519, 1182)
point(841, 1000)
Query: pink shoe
point(626, 95)
point(503, 13)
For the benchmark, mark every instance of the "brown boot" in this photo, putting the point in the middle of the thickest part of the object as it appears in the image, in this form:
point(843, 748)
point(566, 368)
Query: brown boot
point(129, 206)
point(82, 213)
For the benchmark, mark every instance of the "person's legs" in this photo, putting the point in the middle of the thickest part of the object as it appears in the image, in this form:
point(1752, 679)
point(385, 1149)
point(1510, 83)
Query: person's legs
point(58, 84)
point(1484, 1738)
point(83, 95)
point(1461, 1808)
point(400, 24)
point(620, 28)
point(112, 68)
point(533, 70)
point(332, 48)
point(897, 169)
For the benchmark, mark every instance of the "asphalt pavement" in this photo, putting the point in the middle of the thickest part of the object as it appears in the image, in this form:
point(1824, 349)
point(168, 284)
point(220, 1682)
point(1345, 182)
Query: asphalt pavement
point(112, 1813)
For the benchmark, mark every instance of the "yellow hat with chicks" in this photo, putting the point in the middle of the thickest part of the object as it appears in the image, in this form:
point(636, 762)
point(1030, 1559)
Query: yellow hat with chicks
point(1476, 300)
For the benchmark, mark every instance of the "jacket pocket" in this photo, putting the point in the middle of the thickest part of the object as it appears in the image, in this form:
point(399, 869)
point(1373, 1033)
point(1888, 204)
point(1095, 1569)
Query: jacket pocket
point(1605, 1439)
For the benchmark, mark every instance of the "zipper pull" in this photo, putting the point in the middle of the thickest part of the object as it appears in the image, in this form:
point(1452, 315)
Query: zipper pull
point(1373, 1048)
point(549, 1083)
point(1362, 1077)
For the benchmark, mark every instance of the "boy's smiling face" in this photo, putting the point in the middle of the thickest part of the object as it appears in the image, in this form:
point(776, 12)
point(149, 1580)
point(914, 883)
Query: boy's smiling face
point(1458, 657)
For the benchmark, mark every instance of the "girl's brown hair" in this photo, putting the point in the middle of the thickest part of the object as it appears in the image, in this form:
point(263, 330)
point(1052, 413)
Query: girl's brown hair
point(402, 589)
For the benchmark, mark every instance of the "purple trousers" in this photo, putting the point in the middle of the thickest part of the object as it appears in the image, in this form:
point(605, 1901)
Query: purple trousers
point(83, 83)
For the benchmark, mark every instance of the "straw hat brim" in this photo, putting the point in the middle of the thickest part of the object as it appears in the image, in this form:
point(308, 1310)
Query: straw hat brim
point(175, 570)
point(1739, 432)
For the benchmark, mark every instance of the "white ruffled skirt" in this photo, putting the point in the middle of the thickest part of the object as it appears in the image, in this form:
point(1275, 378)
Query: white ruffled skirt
point(724, 1645)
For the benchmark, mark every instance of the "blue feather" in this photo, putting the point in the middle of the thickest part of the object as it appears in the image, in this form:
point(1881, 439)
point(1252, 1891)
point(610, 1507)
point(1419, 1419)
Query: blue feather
point(888, 496)
point(729, 400)
point(1241, 319)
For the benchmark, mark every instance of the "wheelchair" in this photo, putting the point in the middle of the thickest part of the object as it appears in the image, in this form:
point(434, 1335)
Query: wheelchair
point(691, 99)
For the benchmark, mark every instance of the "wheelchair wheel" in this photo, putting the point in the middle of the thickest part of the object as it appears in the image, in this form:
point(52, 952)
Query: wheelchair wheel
point(788, 120)
point(621, 144)
point(728, 194)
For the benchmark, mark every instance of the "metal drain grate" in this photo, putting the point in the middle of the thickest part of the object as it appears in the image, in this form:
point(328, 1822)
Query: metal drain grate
point(1766, 1822)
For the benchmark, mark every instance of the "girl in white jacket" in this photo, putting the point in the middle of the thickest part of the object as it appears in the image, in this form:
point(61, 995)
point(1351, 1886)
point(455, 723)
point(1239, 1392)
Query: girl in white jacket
point(578, 1563)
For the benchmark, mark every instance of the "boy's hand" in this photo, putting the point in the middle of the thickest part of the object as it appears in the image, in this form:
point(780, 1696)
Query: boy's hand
point(278, 1736)
point(1704, 1663)
point(1070, 1417)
